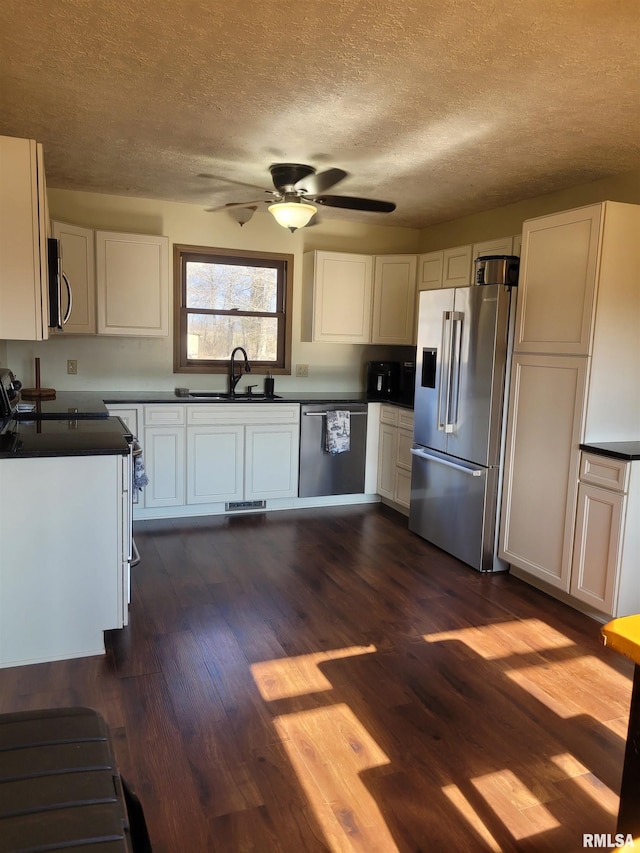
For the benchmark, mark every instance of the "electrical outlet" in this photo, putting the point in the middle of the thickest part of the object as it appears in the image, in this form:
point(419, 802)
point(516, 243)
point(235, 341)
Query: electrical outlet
point(72, 366)
point(302, 369)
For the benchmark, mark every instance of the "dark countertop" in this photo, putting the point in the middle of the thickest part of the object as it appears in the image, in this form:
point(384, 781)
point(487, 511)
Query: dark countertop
point(627, 450)
point(22, 439)
point(77, 423)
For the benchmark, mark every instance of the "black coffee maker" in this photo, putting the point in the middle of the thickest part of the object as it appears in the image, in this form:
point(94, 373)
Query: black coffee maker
point(382, 379)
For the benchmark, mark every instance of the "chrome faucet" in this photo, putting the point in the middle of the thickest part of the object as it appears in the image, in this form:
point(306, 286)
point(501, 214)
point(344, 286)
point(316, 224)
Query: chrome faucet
point(233, 378)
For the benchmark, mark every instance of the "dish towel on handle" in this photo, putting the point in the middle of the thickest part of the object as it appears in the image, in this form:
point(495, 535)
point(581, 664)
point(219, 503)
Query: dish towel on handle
point(338, 432)
point(140, 479)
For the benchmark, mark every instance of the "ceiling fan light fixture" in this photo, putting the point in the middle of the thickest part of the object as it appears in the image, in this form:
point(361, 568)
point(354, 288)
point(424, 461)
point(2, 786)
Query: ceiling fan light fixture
point(292, 214)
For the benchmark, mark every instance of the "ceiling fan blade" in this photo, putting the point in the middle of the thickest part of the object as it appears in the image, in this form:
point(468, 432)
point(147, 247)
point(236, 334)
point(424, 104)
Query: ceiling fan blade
point(236, 204)
point(353, 203)
point(229, 181)
point(321, 181)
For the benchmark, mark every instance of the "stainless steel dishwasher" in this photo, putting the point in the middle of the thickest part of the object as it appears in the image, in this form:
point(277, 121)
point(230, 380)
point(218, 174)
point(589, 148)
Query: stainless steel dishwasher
point(320, 472)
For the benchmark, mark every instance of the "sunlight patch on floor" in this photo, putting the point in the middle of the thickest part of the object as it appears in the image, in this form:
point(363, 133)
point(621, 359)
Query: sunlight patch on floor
point(329, 749)
point(283, 678)
point(589, 784)
point(458, 799)
point(505, 639)
point(508, 796)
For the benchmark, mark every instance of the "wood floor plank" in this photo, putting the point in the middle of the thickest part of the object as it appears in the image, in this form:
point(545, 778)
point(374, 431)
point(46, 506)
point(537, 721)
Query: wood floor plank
point(324, 680)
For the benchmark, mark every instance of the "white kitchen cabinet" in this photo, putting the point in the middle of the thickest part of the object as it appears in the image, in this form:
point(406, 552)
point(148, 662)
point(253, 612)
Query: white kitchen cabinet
point(604, 572)
point(215, 463)
point(574, 376)
point(394, 297)
point(271, 461)
point(501, 246)
point(457, 266)
point(132, 279)
point(164, 454)
point(394, 455)
point(338, 293)
point(555, 308)
point(359, 299)
point(77, 254)
point(242, 452)
point(24, 223)
point(65, 582)
point(541, 465)
point(430, 267)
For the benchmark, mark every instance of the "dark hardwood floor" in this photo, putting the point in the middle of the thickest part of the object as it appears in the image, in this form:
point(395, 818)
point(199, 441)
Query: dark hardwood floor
point(325, 680)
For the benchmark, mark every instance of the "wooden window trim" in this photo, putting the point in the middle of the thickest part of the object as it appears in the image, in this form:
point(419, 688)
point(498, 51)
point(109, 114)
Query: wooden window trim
point(180, 362)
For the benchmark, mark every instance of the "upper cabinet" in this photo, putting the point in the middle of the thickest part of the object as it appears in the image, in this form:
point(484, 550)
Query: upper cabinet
point(78, 264)
point(132, 277)
point(359, 299)
point(454, 267)
point(394, 296)
point(559, 264)
point(120, 282)
point(23, 241)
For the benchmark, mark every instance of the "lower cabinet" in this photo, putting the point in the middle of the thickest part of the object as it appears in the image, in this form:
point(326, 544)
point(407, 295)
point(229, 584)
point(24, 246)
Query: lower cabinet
point(66, 582)
point(604, 571)
point(541, 465)
point(164, 455)
point(394, 455)
point(221, 453)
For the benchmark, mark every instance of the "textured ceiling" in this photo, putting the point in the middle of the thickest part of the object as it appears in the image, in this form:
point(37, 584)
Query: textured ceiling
point(445, 107)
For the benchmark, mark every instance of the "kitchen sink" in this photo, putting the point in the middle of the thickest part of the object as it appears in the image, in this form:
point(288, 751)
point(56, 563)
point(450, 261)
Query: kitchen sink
point(225, 395)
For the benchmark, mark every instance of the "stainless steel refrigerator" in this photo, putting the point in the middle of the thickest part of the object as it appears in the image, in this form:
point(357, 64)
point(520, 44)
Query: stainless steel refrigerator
point(462, 360)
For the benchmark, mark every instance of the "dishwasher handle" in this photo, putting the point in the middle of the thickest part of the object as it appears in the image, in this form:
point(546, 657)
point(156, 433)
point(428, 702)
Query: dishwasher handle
point(324, 414)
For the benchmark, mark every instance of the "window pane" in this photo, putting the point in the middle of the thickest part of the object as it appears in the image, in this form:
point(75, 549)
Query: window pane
point(228, 286)
point(214, 337)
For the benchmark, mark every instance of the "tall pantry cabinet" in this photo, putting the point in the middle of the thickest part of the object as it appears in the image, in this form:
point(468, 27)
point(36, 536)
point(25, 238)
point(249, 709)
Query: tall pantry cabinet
point(574, 375)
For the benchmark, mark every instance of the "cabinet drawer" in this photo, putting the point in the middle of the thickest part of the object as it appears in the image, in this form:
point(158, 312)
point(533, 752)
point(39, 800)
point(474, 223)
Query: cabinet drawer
point(405, 419)
point(604, 471)
point(164, 415)
point(389, 415)
point(243, 413)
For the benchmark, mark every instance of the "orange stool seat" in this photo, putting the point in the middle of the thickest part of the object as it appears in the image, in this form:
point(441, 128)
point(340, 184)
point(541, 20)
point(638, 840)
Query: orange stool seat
point(623, 636)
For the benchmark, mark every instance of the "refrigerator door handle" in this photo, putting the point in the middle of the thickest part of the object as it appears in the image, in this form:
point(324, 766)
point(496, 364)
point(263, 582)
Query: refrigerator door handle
point(444, 383)
point(472, 472)
point(454, 381)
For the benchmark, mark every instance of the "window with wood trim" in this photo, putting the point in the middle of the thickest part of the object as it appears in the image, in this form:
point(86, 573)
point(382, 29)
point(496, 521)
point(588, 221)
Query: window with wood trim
point(225, 298)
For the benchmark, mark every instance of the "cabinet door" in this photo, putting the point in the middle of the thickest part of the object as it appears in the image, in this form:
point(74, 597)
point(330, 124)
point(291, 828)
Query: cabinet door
point(164, 462)
point(62, 584)
point(342, 293)
point(78, 265)
point(271, 461)
point(596, 553)
point(402, 490)
point(387, 453)
point(215, 462)
point(541, 465)
point(501, 246)
point(394, 298)
point(23, 241)
point(457, 267)
point(557, 282)
point(430, 271)
point(132, 277)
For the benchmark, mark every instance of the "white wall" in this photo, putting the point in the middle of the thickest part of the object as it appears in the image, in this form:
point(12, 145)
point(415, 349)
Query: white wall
point(113, 364)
